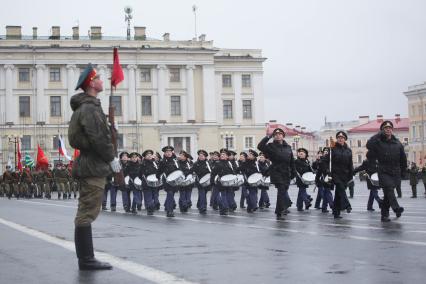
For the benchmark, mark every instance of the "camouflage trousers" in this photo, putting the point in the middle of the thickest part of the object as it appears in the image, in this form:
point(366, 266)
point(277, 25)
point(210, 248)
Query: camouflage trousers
point(90, 200)
point(63, 187)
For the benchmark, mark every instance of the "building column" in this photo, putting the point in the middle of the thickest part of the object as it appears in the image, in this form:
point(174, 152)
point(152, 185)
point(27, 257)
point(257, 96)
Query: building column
point(161, 87)
point(9, 92)
point(190, 92)
point(104, 95)
point(238, 115)
point(132, 93)
point(258, 103)
point(209, 96)
point(71, 84)
point(40, 99)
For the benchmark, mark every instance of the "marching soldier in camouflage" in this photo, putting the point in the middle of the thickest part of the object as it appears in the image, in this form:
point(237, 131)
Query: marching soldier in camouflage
point(61, 176)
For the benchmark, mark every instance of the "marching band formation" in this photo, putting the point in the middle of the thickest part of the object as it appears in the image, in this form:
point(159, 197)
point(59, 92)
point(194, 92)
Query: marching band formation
point(224, 172)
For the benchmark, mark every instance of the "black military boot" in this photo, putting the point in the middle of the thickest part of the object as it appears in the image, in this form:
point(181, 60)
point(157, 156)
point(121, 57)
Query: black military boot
point(84, 249)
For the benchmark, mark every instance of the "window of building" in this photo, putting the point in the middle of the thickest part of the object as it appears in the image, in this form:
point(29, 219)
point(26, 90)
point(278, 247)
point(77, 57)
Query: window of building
point(248, 142)
point(26, 142)
point(413, 131)
point(116, 102)
point(175, 105)
point(359, 159)
point(247, 112)
point(293, 146)
point(326, 143)
point(146, 106)
point(350, 143)
point(413, 110)
point(55, 106)
point(180, 143)
point(174, 74)
point(24, 74)
point(120, 141)
point(419, 109)
point(405, 141)
point(229, 142)
point(227, 109)
point(359, 143)
point(145, 75)
point(55, 74)
point(226, 81)
point(246, 80)
point(24, 106)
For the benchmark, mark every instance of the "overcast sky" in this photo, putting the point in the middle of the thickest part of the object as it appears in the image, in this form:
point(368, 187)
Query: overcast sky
point(333, 58)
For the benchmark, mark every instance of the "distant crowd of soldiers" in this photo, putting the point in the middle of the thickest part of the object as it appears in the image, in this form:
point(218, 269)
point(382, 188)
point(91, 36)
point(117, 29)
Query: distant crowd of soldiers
point(39, 182)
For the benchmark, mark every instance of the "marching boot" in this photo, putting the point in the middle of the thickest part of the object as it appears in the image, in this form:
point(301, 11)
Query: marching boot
point(84, 249)
point(414, 191)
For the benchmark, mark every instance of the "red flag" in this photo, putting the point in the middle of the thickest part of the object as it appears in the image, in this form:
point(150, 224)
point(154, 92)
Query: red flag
point(42, 161)
point(19, 157)
point(117, 73)
point(76, 154)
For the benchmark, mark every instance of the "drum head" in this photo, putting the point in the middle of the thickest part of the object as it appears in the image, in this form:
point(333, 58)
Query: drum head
point(227, 178)
point(152, 178)
point(138, 181)
point(175, 175)
point(205, 178)
point(254, 178)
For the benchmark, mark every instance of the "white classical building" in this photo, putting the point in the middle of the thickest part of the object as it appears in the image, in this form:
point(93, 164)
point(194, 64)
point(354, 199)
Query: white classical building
point(188, 94)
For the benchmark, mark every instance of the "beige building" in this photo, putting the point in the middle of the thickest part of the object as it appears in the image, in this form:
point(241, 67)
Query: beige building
point(188, 94)
point(416, 96)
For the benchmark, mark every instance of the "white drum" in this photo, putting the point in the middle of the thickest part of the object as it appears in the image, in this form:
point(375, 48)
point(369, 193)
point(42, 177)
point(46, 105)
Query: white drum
point(205, 180)
point(153, 181)
point(126, 180)
point(190, 179)
point(175, 178)
point(374, 178)
point(137, 181)
point(240, 180)
point(228, 180)
point(255, 179)
point(308, 178)
point(266, 181)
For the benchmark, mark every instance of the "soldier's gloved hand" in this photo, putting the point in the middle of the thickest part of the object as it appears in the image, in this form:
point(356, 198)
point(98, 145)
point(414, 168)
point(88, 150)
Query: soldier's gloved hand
point(115, 165)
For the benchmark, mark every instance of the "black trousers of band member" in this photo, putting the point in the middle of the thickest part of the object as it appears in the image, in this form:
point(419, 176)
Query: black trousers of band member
point(389, 201)
point(283, 199)
point(341, 201)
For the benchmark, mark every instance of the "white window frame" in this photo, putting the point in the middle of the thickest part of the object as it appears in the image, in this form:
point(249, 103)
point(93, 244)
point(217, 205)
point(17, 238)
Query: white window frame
point(230, 85)
point(253, 142)
point(233, 141)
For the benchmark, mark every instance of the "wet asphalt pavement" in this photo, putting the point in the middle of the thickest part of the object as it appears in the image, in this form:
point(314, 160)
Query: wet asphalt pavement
point(307, 247)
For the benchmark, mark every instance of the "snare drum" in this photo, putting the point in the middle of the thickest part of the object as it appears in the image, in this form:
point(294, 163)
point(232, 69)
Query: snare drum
point(266, 181)
point(175, 178)
point(228, 180)
point(308, 178)
point(240, 180)
point(255, 179)
point(190, 179)
point(137, 181)
point(374, 178)
point(205, 180)
point(153, 181)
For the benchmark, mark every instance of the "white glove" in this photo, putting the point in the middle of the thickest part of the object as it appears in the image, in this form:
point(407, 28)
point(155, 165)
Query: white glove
point(115, 165)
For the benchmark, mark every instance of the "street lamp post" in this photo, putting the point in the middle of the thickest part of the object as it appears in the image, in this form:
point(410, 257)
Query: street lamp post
point(15, 140)
point(296, 141)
